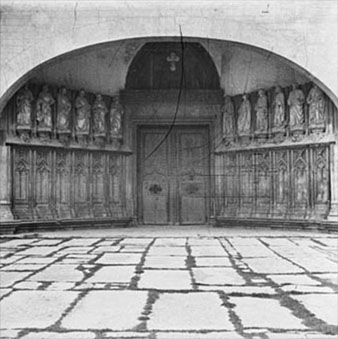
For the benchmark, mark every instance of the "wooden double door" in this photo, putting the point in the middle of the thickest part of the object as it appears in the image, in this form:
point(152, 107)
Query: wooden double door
point(173, 175)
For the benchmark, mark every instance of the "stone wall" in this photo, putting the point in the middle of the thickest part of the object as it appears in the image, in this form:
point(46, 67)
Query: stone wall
point(303, 32)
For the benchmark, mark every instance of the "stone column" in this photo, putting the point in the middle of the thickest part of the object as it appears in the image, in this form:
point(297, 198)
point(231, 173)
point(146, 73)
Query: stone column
point(5, 185)
point(333, 215)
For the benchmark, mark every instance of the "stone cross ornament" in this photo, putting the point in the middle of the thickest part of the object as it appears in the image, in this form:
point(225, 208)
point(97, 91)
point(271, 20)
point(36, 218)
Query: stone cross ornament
point(173, 59)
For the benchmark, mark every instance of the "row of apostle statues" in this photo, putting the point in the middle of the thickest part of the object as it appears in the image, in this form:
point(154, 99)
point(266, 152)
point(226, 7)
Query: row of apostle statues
point(89, 119)
point(278, 121)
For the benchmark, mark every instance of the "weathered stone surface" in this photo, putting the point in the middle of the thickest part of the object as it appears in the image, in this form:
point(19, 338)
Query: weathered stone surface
point(26, 267)
point(60, 286)
point(272, 265)
point(293, 279)
point(36, 260)
point(4, 291)
point(136, 241)
point(39, 250)
point(196, 335)
point(212, 261)
point(127, 335)
point(300, 335)
point(161, 250)
point(28, 285)
point(56, 335)
point(203, 242)
point(118, 310)
point(165, 280)
point(34, 309)
point(167, 242)
point(208, 251)
point(17, 242)
point(81, 242)
point(164, 262)
point(264, 313)
point(101, 249)
point(59, 272)
point(240, 289)
point(324, 307)
point(119, 259)
point(217, 276)
point(9, 334)
point(7, 279)
point(307, 288)
point(193, 311)
point(113, 274)
point(329, 277)
point(48, 242)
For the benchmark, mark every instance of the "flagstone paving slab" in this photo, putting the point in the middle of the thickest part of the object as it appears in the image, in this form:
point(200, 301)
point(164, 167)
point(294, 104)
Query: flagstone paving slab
point(217, 276)
point(58, 272)
point(264, 313)
point(329, 277)
point(34, 309)
point(17, 242)
point(272, 265)
point(119, 259)
point(161, 250)
point(240, 289)
point(174, 242)
point(299, 335)
point(208, 251)
point(39, 251)
point(324, 307)
point(165, 280)
point(36, 260)
point(212, 261)
point(299, 279)
point(126, 335)
point(81, 242)
point(25, 267)
point(8, 278)
point(113, 274)
point(164, 262)
point(196, 335)
point(114, 310)
point(193, 311)
point(54, 335)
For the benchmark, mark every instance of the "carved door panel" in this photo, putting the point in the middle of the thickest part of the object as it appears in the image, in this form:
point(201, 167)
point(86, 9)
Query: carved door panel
point(192, 169)
point(155, 174)
point(173, 176)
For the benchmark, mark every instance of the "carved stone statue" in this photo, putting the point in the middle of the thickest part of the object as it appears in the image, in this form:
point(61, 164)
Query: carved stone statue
point(24, 107)
point(82, 113)
point(99, 113)
point(116, 116)
point(278, 107)
point(63, 110)
point(261, 109)
point(296, 103)
point(316, 102)
point(228, 113)
point(244, 116)
point(44, 109)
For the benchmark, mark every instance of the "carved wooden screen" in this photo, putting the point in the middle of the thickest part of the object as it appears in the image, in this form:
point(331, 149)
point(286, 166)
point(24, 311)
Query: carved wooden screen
point(57, 183)
point(277, 183)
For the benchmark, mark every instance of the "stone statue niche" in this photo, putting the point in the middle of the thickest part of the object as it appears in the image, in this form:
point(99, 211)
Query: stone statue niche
point(44, 113)
point(228, 121)
point(261, 109)
point(296, 102)
point(278, 113)
point(316, 105)
point(99, 120)
point(82, 121)
point(244, 120)
point(63, 110)
point(116, 122)
point(24, 101)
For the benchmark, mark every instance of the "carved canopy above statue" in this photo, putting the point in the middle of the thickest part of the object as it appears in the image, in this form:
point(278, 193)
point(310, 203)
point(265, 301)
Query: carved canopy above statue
point(159, 65)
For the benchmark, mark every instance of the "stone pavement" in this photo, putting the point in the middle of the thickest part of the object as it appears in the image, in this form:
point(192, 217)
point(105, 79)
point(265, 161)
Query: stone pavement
point(175, 284)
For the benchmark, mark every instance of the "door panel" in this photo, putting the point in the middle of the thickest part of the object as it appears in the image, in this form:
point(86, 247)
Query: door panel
point(192, 175)
point(173, 181)
point(155, 176)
